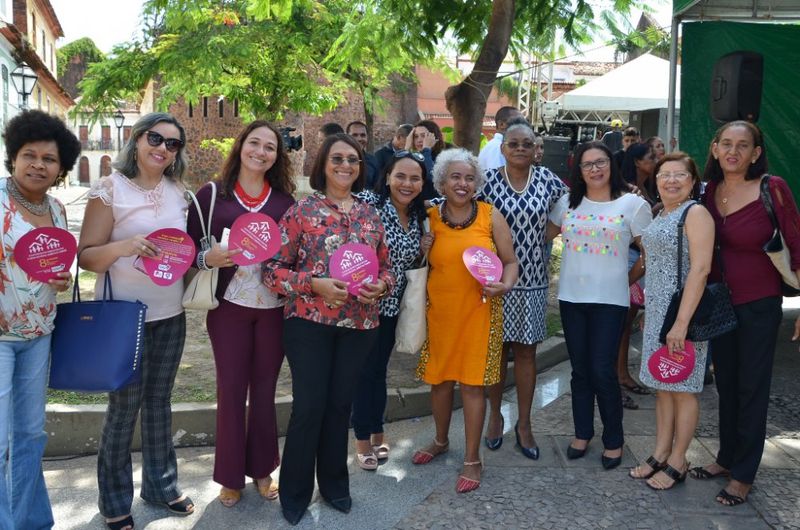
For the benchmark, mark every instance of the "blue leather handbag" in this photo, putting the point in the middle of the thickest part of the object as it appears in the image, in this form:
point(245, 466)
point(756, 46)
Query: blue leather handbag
point(97, 345)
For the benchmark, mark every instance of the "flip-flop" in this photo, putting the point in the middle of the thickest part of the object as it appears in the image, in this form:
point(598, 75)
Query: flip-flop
point(636, 389)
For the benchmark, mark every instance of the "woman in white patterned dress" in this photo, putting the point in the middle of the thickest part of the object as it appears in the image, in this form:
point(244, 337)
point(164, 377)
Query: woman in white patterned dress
point(524, 194)
point(677, 409)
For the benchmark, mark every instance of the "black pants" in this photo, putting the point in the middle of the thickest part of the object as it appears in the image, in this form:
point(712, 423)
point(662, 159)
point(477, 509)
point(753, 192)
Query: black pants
point(369, 404)
point(325, 362)
point(743, 362)
point(592, 333)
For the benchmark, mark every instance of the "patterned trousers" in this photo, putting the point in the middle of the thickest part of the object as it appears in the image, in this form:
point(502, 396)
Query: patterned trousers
point(162, 353)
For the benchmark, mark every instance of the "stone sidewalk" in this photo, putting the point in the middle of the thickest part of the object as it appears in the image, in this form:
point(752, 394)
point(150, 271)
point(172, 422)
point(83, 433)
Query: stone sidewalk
point(552, 492)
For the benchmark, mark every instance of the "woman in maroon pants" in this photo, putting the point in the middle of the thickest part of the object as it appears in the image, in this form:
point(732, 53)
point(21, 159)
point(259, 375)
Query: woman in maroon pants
point(246, 329)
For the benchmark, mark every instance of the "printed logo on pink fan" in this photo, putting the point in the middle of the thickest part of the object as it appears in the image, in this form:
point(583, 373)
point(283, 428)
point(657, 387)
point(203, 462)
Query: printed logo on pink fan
point(257, 235)
point(483, 264)
point(672, 367)
point(356, 264)
point(177, 255)
point(44, 252)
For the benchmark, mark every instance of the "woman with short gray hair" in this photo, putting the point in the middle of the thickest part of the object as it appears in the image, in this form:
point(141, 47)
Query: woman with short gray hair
point(143, 194)
point(465, 317)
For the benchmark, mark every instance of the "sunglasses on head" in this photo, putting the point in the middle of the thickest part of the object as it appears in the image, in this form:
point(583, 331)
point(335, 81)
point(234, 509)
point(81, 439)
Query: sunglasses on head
point(409, 154)
point(172, 144)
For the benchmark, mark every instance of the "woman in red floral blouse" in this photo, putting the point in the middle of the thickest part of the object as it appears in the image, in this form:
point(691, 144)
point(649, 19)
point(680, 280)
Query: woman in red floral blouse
point(327, 332)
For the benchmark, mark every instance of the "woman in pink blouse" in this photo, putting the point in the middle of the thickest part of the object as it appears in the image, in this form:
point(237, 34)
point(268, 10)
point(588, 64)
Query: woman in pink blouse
point(40, 151)
point(143, 194)
point(743, 358)
point(327, 333)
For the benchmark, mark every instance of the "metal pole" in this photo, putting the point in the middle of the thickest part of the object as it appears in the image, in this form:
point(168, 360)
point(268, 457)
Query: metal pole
point(119, 139)
point(673, 80)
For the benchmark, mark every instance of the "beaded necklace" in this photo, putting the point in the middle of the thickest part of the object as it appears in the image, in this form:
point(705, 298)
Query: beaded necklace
point(464, 224)
point(39, 209)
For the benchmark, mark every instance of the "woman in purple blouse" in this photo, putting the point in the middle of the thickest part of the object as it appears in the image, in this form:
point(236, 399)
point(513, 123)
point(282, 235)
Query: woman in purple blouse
point(246, 329)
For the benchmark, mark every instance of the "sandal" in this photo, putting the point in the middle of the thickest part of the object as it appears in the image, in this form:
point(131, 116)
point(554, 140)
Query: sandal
point(121, 524)
point(466, 484)
point(729, 499)
point(629, 403)
point(182, 506)
point(381, 451)
point(636, 388)
point(424, 456)
point(229, 497)
point(655, 467)
point(701, 473)
point(367, 461)
point(268, 491)
point(676, 476)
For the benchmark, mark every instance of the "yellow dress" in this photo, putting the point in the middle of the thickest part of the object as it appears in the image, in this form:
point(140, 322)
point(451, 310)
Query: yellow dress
point(465, 335)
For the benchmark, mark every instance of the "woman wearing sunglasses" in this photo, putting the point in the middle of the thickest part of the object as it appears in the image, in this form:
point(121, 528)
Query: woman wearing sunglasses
point(524, 194)
point(597, 220)
point(245, 330)
point(143, 194)
point(402, 210)
point(327, 332)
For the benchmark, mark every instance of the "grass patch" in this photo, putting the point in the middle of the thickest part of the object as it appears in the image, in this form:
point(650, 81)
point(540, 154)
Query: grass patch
point(75, 398)
point(553, 323)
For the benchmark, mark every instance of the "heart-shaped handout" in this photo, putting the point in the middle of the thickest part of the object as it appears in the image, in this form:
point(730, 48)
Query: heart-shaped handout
point(257, 235)
point(44, 252)
point(354, 263)
point(177, 255)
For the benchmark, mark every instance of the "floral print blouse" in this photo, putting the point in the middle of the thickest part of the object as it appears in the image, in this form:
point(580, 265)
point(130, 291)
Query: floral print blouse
point(310, 234)
point(27, 307)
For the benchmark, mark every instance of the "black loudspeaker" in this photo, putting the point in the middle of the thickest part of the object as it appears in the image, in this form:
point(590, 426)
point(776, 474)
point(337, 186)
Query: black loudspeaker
point(556, 153)
point(736, 87)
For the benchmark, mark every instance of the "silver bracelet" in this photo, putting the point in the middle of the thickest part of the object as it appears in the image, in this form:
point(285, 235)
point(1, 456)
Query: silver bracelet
point(201, 260)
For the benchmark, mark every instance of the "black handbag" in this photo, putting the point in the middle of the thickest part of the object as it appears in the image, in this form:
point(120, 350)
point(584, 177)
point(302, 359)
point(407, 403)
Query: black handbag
point(97, 346)
point(714, 315)
point(776, 249)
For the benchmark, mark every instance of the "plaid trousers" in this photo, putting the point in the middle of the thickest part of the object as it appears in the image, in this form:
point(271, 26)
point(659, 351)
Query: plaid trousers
point(162, 354)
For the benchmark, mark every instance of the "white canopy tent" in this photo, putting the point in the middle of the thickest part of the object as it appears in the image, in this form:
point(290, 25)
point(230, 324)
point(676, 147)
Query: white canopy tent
point(640, 84)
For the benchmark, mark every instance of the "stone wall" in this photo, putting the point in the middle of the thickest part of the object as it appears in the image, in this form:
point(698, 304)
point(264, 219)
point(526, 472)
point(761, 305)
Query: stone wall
point(204, 164)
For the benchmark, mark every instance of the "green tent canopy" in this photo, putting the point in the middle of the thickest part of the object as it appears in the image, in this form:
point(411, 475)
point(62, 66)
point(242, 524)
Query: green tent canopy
point(730, 10)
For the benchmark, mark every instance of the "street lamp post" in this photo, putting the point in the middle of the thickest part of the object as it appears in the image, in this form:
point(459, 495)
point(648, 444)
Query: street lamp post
point(119, 121)
point(24, 79)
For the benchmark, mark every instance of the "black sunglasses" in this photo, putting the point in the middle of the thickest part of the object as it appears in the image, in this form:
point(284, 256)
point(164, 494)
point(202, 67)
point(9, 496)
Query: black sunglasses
point(172, 144)
point(409, 154)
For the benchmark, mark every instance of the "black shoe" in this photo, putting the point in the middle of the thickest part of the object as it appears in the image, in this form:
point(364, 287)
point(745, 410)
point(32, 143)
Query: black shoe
point(574, 454)
point(611, 463)
point(292, 517)
point(343, 504)
point(494, 444)
point(528, 452)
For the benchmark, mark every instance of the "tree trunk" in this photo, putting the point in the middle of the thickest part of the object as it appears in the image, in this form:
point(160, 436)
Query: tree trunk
point(369, 119)
point(466, 101)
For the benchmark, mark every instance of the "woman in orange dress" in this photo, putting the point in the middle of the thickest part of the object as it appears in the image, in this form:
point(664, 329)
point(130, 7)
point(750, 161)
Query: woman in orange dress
point(465, 318)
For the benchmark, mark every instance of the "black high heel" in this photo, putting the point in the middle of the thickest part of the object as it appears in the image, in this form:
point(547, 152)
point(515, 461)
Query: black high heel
point(611, 462)
point(494, 444)
point(574, 454)
point(528, 452)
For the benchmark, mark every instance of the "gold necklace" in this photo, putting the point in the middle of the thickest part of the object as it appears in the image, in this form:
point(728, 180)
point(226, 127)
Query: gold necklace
point(527, 183)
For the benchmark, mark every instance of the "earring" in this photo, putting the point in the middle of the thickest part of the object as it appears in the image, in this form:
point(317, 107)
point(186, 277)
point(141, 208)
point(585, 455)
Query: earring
point(752, 161)
point(172, 168)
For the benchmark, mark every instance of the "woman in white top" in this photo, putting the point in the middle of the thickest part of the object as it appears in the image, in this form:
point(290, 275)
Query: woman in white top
point(598, 220)
point(144, 194)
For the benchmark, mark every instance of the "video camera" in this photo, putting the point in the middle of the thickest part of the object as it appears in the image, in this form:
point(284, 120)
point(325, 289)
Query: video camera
point(291, 143)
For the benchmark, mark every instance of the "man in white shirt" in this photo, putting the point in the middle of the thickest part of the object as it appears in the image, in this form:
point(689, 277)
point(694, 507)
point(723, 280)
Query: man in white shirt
point(490, 156)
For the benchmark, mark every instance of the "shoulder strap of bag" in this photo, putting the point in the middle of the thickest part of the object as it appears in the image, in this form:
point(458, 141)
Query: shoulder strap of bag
point(206, 228)
point(766, 199)
point(681, 223)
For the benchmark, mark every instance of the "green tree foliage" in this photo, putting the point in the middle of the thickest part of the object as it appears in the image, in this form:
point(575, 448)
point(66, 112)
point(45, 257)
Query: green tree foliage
point(264, 53)
point(84, 47)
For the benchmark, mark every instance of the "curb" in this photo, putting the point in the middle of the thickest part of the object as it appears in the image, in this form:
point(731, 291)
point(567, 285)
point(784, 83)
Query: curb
point(75, 429)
